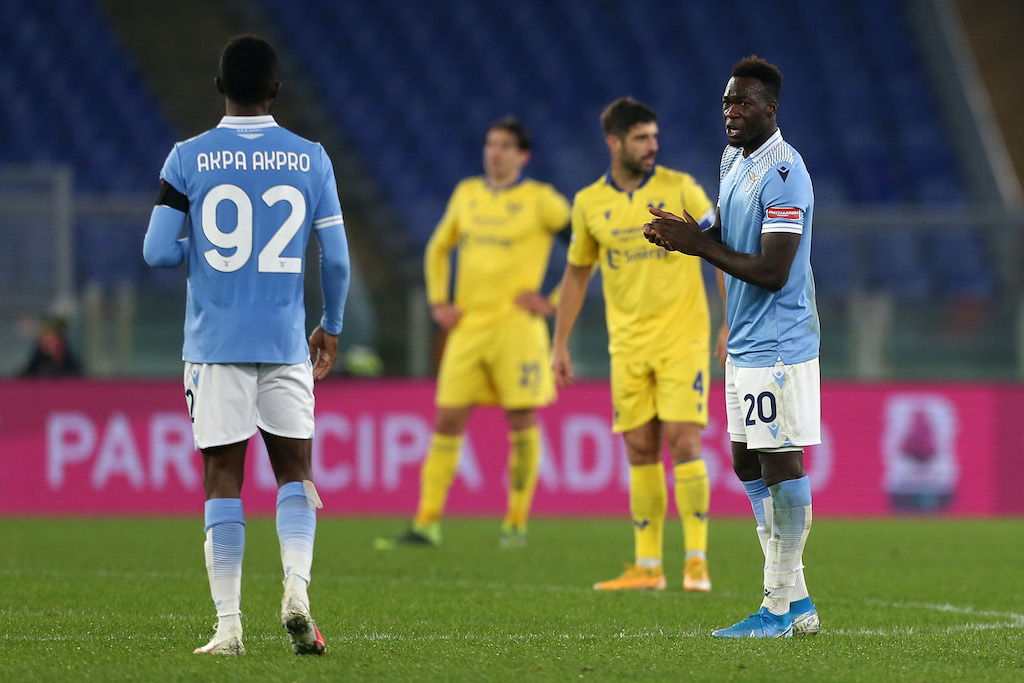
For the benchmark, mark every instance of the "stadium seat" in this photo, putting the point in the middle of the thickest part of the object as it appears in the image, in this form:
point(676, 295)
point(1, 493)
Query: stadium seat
point(414, 84)
point(896, 264)
point(834, 260)
point(961, 268)
point(72, 75)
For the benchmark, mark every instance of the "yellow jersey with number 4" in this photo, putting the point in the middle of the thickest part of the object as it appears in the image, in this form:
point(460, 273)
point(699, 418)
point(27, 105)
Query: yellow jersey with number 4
point(655, 303)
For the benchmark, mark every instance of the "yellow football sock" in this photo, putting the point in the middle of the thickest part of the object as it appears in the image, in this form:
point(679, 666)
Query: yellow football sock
point(436, 477)
point(648, 501)
point(693, 496)
point(523, 465)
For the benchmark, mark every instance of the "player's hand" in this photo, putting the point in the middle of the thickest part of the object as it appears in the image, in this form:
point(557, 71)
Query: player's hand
point(561, 364)
point(720, 352)
point(445, 315)
point(673, 232)
point(323, 352)
point(533, 302)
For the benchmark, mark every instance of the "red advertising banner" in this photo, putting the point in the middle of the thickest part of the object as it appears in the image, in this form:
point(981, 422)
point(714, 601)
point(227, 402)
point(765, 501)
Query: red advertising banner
point(125, 447)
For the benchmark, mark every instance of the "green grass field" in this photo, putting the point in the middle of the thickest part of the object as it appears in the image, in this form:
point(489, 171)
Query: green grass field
point(127, 599)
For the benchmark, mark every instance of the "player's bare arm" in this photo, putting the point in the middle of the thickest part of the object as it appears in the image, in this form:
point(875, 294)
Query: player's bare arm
point(446, 315)
point(721, 350)
point(535, 303)
point(573, 291)
point(769, 269)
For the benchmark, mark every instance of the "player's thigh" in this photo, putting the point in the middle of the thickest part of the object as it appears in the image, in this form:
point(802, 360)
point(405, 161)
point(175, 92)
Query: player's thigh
point(682, 387)
point(285, 402)
point(519, 363)
point(733, 408)
point(780, 406)
point(221, 399)
point(634, 394)
point(462, 377)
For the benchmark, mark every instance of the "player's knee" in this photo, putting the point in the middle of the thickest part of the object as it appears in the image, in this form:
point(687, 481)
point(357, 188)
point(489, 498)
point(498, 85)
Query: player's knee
point(643, 452)
point(450, 421)
point(685, 447)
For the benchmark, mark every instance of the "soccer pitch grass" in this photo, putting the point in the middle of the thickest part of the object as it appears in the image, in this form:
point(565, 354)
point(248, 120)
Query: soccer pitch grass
point(127, 599)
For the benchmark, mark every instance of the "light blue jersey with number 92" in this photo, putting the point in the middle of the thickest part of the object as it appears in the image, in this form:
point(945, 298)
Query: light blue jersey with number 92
point(256, 191)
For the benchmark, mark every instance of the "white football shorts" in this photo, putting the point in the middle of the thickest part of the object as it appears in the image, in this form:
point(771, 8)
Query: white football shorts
point(776, 408)
point(227, 402)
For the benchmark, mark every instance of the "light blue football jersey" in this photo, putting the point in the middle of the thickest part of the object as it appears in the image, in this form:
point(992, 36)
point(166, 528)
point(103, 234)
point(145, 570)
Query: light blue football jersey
point(255, 191)
point(769, 191)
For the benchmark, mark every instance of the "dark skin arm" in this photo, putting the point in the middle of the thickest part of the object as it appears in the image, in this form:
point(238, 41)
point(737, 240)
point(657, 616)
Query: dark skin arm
point(768, 269)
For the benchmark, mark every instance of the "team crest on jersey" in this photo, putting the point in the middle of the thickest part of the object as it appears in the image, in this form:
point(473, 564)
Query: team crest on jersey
point(514, 207)
point(784, 212)
point(608, 215)
point(752, 179)
point(657, 204)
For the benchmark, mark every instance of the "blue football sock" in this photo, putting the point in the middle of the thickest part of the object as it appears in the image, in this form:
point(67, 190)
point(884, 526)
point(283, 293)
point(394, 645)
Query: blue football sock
point(225, 547)
point(296, 529)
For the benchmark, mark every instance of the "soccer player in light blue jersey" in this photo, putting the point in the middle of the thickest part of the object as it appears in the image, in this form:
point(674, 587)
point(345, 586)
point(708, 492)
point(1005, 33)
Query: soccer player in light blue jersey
point(761, 239)
point(251, 194)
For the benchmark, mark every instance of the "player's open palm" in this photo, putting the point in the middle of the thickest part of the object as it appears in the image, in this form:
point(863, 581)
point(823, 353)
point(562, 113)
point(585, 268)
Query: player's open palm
point(323, 351)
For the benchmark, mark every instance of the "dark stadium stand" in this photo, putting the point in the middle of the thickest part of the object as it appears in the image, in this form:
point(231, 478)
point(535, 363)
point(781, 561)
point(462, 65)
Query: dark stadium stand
point(413, 86)
point(73, 96)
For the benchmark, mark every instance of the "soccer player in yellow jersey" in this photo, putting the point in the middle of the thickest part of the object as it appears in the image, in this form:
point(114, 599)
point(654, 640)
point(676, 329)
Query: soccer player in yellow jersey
point(658, 323)
point(497, 350)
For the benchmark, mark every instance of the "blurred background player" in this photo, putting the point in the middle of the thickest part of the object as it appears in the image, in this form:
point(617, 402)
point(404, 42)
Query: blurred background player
point(761, 239)
point(656, 310)
point(253, 192)
point(497, 349)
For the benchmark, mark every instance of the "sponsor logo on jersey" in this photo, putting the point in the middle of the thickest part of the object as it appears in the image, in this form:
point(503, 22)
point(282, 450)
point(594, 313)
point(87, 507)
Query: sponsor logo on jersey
point(784, 212)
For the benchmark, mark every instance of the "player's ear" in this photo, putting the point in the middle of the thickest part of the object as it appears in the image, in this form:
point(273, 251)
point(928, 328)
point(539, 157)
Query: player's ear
point(274, 89)
point(219, 85)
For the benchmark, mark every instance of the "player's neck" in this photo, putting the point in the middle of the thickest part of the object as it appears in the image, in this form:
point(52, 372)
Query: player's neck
point(237, 109)
point(626, 180)
point(755, 144)
point(502, 182)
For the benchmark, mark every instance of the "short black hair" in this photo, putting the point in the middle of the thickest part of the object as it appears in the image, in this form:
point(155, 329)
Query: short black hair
point(513, 125)
point(621, 115)
point(248, 69)
point(761, 70)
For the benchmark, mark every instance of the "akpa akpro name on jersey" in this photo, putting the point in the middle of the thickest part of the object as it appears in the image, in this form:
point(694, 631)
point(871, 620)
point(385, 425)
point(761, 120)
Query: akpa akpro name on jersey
point(269, 160)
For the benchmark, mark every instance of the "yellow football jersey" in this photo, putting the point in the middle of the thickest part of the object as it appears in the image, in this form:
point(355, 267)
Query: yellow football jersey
point(504, 242)
point(655, 302)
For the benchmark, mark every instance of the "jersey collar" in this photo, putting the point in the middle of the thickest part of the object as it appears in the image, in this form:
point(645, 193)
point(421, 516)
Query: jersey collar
point(775, 139)
point(608, 179)
point(519, 181)
point(247, 122)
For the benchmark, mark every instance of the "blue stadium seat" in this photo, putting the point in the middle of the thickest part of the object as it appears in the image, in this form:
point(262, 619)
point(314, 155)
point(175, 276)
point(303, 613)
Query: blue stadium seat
point(959, 264)
point(107, 252)
point(414, 84)
point(74, 80)
point(896, 264)
point(835, 262)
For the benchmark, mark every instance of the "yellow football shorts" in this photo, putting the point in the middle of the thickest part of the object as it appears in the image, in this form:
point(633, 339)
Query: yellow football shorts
point(507, 363)
point(675, 389)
